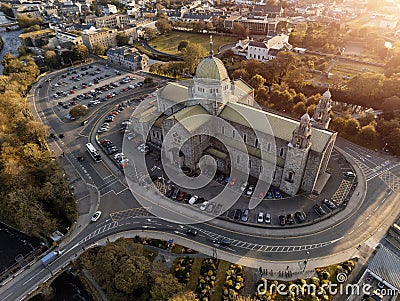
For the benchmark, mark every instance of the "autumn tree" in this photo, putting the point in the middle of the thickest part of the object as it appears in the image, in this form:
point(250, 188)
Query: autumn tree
point(183, 44)
point(240, 30)
point(98, 49)
point(150, 33)
point(80, 53)
point(52, 59)
point(122, 39)
point(26, 21)
point(78, 110)
point(192, 55)
point(257, 82)
point(163, 26)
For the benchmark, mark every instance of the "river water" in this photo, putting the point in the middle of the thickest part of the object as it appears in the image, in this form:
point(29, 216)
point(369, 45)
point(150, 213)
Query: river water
point(10, 39)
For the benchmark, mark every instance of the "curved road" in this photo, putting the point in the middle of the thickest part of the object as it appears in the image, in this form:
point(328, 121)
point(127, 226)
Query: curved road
point(370, 212)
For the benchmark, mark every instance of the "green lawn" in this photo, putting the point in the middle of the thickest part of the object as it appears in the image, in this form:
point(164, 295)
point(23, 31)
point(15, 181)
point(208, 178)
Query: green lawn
point(169, 42)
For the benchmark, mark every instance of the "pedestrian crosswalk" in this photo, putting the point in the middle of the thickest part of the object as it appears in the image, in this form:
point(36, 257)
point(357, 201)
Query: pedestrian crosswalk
point(371, 173)
point(267, 248)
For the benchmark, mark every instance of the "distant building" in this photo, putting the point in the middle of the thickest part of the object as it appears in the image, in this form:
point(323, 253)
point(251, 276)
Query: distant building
point(70, 8)
point(110, 21)
point(267, 50)
point(27, 10)
point(104, 36)
point(128, 57)
point(37, 38)
point(256, 25)
point(66, 37)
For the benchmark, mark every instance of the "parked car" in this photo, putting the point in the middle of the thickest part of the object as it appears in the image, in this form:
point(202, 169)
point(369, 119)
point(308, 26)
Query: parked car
point(269, 195)
point(175, 194)
point(245, 215)
point(260, 217)
point(204, 205)
point(181, 196)
point(282, 220)
point(319, 210)
point(267, 218)
point(300, 217)
point(249, 191)
point(238, 214)
point(329, 204)
point(244, 186)
point(261, 195)
point(277, 194)
point(350, 174)
point(187, 198)
point(193, 200)
point(290, 219)
point(232, 181)
point(169, 193)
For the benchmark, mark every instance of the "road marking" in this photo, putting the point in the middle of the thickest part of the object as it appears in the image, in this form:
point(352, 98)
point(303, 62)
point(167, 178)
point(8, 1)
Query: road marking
point(8, 295)
point(377, 207)
point(361, 224)
point(29, 279)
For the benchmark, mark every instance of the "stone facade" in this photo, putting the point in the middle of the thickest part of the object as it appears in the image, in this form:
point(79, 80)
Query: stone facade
point(190, 123)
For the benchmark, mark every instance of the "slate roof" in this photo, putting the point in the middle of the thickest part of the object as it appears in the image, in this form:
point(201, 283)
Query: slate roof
point(174, 92)
point(191, 118)
point(280, 126)
point(258, 44)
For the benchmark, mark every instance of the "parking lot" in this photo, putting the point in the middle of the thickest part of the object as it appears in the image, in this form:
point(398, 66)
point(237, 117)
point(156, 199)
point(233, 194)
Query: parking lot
point(90, 86)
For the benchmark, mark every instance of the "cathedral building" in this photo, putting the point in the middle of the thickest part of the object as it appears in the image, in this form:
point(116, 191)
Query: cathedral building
point(215, 116)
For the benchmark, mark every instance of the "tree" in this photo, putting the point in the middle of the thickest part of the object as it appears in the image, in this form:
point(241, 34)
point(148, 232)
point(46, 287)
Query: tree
point(300, 109)
point(183, 44)
point(80, 52)
point(148, 82)
point(150, 33)
point(98, 49)
point(368, 134)
point(198, 26)
point(228, 53)
point(122, 39)
point(192, 55)
point(338, 124)
point(257, 82)
point(32, 28)
point(78, 110)
point(25, 21)
point(391, 103)
point(240, 30)
point(163, 26)
point(164, 287)
point(52, 59)
point(365, 88)
point(352, 127)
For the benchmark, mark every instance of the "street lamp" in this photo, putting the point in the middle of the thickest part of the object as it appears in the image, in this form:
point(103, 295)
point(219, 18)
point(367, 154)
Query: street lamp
point(306, 261)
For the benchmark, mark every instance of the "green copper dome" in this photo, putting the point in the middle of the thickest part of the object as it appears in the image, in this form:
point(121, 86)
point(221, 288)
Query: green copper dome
point(212, 68)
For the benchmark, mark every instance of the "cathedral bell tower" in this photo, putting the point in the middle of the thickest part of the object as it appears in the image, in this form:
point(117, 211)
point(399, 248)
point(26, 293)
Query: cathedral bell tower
point(296, 157)
point(322, 112)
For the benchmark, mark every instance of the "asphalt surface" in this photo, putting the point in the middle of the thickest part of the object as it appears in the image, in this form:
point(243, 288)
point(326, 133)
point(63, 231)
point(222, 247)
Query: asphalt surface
point(370, 211)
